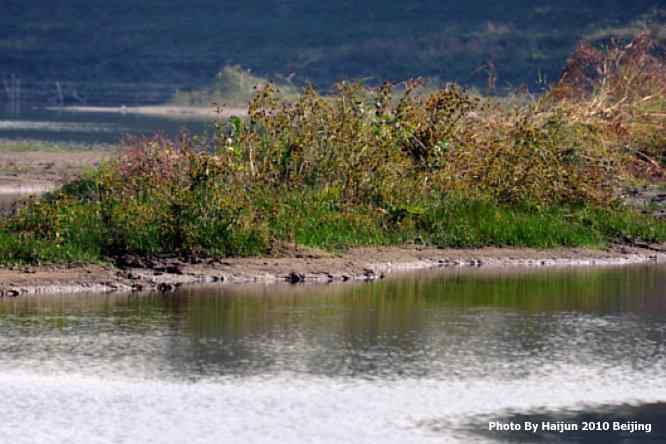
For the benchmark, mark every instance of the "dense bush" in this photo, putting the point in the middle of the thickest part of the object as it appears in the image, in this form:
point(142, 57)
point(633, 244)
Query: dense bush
point(375, 148)
point(373, 167)
point(620, 92)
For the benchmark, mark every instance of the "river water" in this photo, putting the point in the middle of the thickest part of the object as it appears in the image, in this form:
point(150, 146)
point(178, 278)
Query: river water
point(420, 358)
point(91, 128)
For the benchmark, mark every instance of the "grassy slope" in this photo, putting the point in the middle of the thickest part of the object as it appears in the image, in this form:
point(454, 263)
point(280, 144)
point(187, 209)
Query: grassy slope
point(361, 168)
point(180, 43)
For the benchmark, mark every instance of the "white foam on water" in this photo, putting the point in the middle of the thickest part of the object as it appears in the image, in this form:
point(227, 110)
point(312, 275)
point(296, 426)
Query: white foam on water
point(293, 408)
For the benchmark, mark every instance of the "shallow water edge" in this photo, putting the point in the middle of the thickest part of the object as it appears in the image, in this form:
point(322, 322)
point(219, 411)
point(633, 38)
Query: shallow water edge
point(325, 363)
point(361, 264)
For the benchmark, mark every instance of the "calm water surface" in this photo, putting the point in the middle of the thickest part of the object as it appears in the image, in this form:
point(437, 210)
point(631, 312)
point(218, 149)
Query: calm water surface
point(91, 128)
point(424, 358)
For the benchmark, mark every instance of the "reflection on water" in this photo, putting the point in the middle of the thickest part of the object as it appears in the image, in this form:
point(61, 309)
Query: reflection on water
point(424, 358)
point(91, 128)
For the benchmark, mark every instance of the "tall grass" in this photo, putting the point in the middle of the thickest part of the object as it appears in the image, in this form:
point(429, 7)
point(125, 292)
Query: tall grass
point(375, 167)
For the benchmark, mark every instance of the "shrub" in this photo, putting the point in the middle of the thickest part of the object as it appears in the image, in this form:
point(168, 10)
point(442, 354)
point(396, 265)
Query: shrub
point(373, 167)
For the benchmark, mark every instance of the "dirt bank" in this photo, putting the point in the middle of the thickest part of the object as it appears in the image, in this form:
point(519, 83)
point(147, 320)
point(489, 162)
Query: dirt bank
point(165, 275)
point(38, 171)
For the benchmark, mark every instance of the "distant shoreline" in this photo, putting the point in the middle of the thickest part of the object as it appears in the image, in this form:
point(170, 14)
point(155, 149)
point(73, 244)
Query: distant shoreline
point(157, 110)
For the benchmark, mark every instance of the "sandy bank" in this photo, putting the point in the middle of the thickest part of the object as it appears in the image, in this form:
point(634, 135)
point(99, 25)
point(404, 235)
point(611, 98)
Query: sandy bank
point(39, 172)
point(19, 185)
point(301, 267)
point(185, 112)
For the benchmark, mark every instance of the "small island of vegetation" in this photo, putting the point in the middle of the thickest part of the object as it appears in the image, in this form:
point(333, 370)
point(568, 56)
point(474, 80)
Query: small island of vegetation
point(391, 165)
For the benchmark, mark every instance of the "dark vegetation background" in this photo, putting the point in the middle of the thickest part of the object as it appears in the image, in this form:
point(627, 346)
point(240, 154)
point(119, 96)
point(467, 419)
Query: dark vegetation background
point(143, 51)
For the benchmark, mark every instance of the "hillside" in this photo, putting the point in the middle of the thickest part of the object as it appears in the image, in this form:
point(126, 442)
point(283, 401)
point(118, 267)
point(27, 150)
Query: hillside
point(140, 52)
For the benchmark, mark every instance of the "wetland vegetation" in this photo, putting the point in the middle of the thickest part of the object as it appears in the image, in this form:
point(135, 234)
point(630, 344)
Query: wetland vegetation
point(378, 166)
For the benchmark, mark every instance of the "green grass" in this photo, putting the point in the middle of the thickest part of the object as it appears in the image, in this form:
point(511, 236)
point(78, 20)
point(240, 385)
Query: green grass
point(77, 231)
point(478, 223)
point(25, 250)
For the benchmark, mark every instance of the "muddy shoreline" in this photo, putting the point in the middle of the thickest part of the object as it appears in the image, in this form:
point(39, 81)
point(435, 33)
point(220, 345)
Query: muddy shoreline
point(362, 264)
point(25, 173)
point(37, 172)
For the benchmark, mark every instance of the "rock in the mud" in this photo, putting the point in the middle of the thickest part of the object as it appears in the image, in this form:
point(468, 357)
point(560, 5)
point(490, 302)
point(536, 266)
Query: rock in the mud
point(295, 278)
point(129, 261)
point(173, 269)
point(9, 293)
point(128, 275)
point(137, 287)
point(369, 275)
point(165, 287)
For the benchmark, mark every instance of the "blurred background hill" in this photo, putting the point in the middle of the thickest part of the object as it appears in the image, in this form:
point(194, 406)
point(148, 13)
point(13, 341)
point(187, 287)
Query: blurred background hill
point(140, 52)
